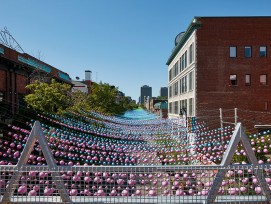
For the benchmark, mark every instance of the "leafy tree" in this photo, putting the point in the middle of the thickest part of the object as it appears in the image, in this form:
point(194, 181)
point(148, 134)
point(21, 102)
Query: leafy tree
point(50, 98)
point(162, 97)
point(103, 98)
point(79, 102)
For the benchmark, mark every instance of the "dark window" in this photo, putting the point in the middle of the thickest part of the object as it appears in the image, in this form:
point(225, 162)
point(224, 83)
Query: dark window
point(248, 79)
point(2, 103)
point(263, 79)
point(263, 51)
point(248, 51)
point(176, 67)
point(176, 107)
point(184, 85)
point(232, 51)
point(176, 88)
point(233, 79)
point(185, 59)
point(1, 96)
point(170, 91)
point(191, 81)
point(191, 53)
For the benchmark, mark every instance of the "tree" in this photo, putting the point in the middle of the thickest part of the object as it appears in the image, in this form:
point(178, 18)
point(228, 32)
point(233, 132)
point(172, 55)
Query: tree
point(103, 98)
point(107, 99)
point(80, 101)
point(50, 98)
point(162, 97)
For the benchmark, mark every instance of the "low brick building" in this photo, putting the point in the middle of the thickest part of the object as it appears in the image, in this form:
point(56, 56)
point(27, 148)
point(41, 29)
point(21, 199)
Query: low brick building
point(222, 62)
point(16, 71)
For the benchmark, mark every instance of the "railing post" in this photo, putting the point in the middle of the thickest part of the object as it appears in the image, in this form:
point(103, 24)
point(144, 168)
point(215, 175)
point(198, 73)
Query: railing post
point(235, 116)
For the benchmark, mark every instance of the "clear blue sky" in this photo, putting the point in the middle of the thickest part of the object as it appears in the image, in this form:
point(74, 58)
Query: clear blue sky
point(123, 42)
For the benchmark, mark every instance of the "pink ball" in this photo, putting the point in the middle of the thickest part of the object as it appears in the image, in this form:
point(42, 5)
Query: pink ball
point(179, 192)
point(232, 191)
point(243, 189)
point(125, 193)
point(73, 192)
point(164, 183)
point(138, 192)
point(32, 193)
point(204, 192)
point(22, 190)
point(152, 193)
point(47, 192)
point(258, 190)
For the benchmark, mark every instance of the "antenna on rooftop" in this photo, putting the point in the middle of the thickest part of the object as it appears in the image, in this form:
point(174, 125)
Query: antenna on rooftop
point(7, 40)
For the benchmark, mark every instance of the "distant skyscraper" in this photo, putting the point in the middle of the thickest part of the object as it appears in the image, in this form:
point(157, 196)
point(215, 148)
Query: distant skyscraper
point(164, 91)
point(145, 91)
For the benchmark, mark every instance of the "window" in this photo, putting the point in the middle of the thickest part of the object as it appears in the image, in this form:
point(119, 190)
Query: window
point(3, 107)
point(176, 88)
point(191, 53)
point(191, 106)
point(170, 107)
point(169, 75)
point(184, 85)
point(183, 105)
point(232, 51)
point(176, 107)
point(263, 79)
point(191, 81)
point(184, 61)
point(176, 69)
point(170, 91)
point(247, 79)
point(248, 51)
point(263, 51)
point(233, 79)
point(1, 97)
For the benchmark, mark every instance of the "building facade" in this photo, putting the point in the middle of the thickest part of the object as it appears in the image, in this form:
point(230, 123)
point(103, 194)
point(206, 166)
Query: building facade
point(145, 92)
point(18, 70)
point(164, 91)
point(85, 85)
point(221, 62)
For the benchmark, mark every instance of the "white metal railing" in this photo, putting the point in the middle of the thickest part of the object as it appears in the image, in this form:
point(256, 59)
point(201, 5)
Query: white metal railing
point(135, 184)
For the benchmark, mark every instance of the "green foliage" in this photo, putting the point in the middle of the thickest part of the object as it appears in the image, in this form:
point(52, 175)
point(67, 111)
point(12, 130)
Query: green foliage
point(50, 98)
point(106, 99)
point(57, 98)
point(162, 97)
point(79, 102)
point(103, 98)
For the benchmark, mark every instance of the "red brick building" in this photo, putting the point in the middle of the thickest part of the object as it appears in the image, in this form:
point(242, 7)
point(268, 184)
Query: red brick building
point(16, 71)
point(222, 62)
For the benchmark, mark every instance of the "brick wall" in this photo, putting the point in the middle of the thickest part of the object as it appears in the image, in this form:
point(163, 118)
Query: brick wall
point(214, 64)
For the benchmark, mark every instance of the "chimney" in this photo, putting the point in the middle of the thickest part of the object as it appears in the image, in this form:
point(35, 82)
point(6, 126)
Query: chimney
point(88, 80)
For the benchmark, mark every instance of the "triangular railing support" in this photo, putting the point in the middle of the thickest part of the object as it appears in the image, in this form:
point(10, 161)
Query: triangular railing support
point(238, 135)
point(36, 134)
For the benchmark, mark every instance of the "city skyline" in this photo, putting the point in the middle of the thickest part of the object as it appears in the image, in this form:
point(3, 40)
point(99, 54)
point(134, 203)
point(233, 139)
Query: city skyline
point(123, 43)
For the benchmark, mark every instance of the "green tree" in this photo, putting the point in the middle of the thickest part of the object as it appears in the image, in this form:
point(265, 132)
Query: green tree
point(162, 97)
point(79, 102)
point(103, 98)
point(107, 99)
point(50, 98)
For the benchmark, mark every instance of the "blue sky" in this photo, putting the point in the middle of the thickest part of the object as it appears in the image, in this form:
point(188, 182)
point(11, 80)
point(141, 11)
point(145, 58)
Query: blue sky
point(123, 42)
